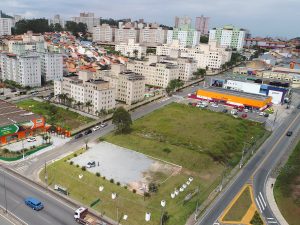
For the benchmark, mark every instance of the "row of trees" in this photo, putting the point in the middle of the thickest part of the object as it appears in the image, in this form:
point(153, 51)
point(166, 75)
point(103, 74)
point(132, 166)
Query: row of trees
point(42, 26)
point(174, 85)
point(235, 59)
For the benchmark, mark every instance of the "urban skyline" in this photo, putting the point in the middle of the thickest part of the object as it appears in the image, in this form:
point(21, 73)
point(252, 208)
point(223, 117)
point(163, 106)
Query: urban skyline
point(241, 14)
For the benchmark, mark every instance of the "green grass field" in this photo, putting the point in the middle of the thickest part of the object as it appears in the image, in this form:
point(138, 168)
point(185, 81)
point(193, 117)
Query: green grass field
point(240, 207)
point(287, 189)
point(198, 140)
point(55, 115)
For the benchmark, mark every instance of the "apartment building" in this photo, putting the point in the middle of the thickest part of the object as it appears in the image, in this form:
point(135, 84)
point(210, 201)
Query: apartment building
point(156, 73)
point(84, 88)
point(122, 35)
point(207, 55)
point(201, 24)
point(131, 49)
point(182, 21)
point(186, 66)
point(103, 33)
point(187, 36)
point(57, 20)
point(89, 19)
point(130, 86)
point(228, 36)
point(25, 69)
point(153, 35)
point(5, 26)
point(51, 66)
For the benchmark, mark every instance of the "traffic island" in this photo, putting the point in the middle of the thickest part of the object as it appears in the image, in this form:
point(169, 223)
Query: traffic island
point(242, 209)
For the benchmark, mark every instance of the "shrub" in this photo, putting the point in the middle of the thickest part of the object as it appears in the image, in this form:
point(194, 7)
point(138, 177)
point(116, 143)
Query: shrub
point(167, 150)
point(111, 181)
point(98, 174)
point(153, 187)
point(125, 187)
point(71, 162)
point(104, 177)
point(5, 151)
point(77, 166)
point(147, 194)
point(118, 183)
point(134, 191)
point(83, 168)
point(101, 139)
point(75, 155)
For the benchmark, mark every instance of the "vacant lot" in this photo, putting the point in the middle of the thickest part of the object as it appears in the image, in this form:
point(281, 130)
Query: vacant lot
point(202, 142)
point(287, 189)
point(240, 207)
point(55, 115)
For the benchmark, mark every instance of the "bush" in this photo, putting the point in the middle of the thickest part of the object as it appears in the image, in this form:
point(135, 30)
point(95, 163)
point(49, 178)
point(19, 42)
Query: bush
point(153, 187)
point(256, 220)
point(147, 195)
point(134, 191)
point(101, 139)
point(71, 162)
point(75, 155)
point(83, 168)
point(167, 150)
point(5, 151)
point(98, 174)
point(118, 183)
point(125, 187)
point(111, 181)
point(104, 177)
point(77, 166)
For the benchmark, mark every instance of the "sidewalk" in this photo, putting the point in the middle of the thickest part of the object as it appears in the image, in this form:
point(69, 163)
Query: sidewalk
point(272, 202)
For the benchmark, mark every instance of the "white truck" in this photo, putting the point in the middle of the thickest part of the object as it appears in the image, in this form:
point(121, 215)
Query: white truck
point(83, 216)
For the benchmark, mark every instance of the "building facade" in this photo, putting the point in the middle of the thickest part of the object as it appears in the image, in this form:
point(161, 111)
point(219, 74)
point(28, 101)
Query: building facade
point(228, 36)
point(5, 26)
point(57, 20)
point(83, 88)
point(187, 36)
point(124, 34)
point(182, 21)
point(103, 33)
point(131, 49)
point(89, 19)
point(202, 24)
point(24, 69)
point(149, 35)
point(51, 66)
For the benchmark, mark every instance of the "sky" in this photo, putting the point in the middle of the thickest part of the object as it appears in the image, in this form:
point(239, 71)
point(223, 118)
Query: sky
point(275, 18)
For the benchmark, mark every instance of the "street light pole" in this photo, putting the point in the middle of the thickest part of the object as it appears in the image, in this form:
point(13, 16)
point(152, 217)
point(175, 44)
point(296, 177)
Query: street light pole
point(243, 152)
point(5, 196)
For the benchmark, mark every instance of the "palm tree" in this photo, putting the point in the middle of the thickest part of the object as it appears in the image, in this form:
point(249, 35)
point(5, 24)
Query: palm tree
point(78, 105)
point(135, 52)
point(88, 104)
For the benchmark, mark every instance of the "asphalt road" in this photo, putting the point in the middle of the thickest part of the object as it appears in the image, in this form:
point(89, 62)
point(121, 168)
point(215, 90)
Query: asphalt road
point(260, 164)
point(54, 213)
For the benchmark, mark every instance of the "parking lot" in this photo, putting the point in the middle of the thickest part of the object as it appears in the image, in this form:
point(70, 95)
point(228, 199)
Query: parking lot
point(123, 165)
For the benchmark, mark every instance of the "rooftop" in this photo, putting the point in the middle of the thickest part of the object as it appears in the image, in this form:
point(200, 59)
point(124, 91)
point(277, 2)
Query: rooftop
point(11, 114)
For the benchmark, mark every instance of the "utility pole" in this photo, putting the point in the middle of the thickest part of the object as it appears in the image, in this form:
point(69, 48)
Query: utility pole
point(275, 119)
point(197, 205)
point(242, 159)
point(46, 174)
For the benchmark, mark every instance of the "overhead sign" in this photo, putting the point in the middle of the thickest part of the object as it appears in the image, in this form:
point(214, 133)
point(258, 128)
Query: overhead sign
point(10, 129)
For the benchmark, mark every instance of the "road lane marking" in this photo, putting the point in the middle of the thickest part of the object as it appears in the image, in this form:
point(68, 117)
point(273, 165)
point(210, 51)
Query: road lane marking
point(261, 204)
point(258, 205)
point(263, 199)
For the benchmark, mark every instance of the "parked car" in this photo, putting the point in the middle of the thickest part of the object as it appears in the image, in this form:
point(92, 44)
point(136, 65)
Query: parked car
point(298, 107)
point(215, 105)
point(225, 111)
point(289, 133)
point(96, 128)
point(246, 110)
point(78, 136)
point(261, 114)
point(103, 125)
point(91, 164)
point(266, 115)
point(244, 115)
point(88, 132)
point(31, 139)
point(34, 203)
point(234, 112)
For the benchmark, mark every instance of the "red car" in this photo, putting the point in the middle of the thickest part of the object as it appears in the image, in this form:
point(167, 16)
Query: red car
point(244, 115)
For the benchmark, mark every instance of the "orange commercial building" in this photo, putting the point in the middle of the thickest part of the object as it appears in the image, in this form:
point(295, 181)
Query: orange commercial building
point(234, 98)
point(16, 123)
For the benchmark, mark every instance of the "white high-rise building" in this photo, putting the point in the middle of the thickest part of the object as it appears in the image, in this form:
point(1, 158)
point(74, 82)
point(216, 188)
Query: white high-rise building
point(150, 35)
point(57, 20)
point(182, 21)
point(25, 70)
point(186, 36)
point(85, 88)
point(124, 34)
point(228, 36)
point(155, 72)
point(103, 33)
point(131, 49)
point(5, 26)
point(89, 19)
point(51, 66)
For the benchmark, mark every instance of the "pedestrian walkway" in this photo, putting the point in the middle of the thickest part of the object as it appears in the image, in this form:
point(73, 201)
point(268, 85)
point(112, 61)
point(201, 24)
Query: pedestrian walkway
point(273, 205)
point(5, 221)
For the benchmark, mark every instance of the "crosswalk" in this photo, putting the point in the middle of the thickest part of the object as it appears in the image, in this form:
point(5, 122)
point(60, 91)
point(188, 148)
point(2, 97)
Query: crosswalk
point(271, 221)
point(260, 202)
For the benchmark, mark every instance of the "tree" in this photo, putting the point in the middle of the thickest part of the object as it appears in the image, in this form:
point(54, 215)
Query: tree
point(88, 104)
point(35, 25)
point(203, 39)
point(135, 52)
point(122, 120)
point(200, 72)
point(58, 27)
point(173, 85)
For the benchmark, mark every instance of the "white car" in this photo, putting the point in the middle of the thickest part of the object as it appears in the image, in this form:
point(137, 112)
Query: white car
point(31, 139)
point(261, 114)
point(246, 110)
point(234, 112)
point(96, 128)
point(103, 125)
point(215, 105)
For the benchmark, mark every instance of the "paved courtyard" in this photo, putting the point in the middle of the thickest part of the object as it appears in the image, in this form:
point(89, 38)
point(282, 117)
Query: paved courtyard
point(123, 165)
